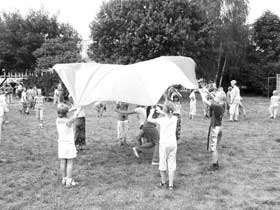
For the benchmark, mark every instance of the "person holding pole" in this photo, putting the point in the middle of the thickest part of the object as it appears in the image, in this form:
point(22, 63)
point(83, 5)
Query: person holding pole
point(217, 109)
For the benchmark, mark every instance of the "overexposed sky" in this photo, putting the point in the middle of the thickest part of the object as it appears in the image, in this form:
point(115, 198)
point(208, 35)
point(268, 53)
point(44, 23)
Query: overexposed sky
point(79, 13)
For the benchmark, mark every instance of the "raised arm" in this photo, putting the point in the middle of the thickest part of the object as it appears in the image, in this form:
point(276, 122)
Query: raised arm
point(150, 117)
point(124, 112)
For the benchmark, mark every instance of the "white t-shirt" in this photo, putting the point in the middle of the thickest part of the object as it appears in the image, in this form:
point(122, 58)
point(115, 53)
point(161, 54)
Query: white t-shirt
point(235, 95)
point(167, 130)
point(23, 97)
point(141, 114)
point(274, 100)
point(65, 133)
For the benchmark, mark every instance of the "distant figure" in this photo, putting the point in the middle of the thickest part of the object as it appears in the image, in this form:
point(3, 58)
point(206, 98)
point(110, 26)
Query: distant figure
point(3, 106)
point(29, 97)
point(61, 93)
point(234, 102)
point(100, 107)
point(55, 96)
point(228, 99)
point(66, 145)
point(192, 105)
point(23, 101)
point(9, 93)
point(39, 107)
point(19, 90)
point(273, 107)
point(122, 123)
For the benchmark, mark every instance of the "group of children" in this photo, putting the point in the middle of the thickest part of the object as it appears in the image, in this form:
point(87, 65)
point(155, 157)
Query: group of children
point(32, 98)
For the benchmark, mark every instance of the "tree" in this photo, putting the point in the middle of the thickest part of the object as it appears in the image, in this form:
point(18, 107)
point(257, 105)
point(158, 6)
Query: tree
point(228, 34)
point(131, 31)
point(21, 36)
point(263, 54)
point(62, 49)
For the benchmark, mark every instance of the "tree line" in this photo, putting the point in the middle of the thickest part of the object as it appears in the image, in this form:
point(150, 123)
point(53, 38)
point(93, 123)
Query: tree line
point(214, 33)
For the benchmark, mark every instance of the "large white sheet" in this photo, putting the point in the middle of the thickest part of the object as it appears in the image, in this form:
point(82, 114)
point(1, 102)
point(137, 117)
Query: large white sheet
point(141, 83)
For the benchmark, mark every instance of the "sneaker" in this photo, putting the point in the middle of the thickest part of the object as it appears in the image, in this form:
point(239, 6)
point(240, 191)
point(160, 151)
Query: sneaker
point(170, 188)
point(163, 185)
point(64, 179)
point(214, 167)
point(71, 183)
point(135, 152)
point(155, 163)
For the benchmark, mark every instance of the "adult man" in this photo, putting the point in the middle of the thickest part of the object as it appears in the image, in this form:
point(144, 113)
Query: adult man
point(234, 101)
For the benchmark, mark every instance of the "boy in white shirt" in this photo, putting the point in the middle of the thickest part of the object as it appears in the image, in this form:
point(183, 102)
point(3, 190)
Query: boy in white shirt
point(167, 143)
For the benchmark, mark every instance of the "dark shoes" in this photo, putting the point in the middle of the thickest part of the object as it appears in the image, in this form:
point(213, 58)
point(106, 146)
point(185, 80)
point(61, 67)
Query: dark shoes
point(214, 167)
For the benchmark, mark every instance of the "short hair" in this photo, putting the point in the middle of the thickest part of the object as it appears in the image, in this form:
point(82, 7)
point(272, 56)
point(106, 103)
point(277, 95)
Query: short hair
point(62, 110)
point(274, 92)
point(233, 82)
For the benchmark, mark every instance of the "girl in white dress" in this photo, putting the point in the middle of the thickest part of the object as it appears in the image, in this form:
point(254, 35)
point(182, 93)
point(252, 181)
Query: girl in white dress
point(66, 144)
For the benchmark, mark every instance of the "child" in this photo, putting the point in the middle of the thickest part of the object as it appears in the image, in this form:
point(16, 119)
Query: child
point(100, 108)
point(273, 108)
point(228, 99)
point(176, 100)
point(122, 123)
point(3, 106)
point(39, 107)
point(192, 104)
point(55, 96)
point(66, 145)
point(217, 109)
point(23, 101)
point(140, 111)
point(167, 143)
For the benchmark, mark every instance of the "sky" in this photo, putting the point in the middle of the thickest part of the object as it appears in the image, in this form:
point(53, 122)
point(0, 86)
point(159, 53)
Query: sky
point(79, 13)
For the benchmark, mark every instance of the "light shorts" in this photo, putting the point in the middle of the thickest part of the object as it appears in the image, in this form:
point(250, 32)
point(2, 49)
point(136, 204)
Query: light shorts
point(167, 157)
point(66, 150)
point(39, 114)
point(216, 135)
point(122, 127)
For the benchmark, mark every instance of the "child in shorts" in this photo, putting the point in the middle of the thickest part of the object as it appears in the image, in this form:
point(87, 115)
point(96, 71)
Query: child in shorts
point(217, 109)
point(122, 123)
point(167, 143)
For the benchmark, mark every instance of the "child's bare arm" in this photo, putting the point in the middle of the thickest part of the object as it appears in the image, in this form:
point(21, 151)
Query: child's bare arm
point(150, 117)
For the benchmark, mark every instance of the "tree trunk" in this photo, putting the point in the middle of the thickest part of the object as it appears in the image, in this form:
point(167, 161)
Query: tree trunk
point(223, 70)
point(219, 61)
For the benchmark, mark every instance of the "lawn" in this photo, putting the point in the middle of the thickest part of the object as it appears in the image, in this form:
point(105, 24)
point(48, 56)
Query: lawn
point(110, 177)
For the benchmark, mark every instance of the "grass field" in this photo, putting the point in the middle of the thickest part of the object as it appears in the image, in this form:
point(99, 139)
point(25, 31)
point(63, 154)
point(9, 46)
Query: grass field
point(110, 177)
